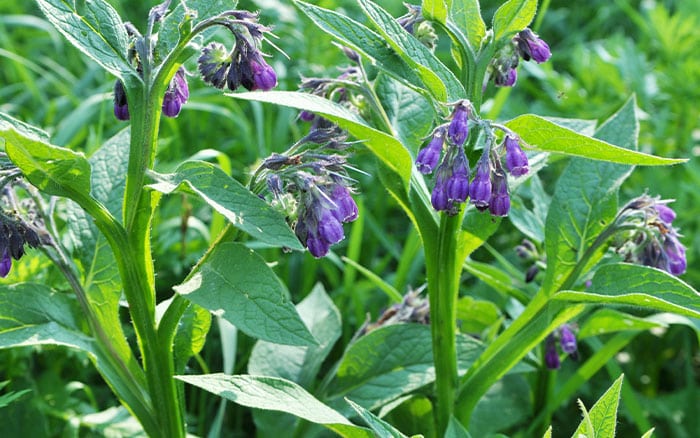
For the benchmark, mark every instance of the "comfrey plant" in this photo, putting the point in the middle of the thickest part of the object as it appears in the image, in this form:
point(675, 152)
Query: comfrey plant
point(454, 171)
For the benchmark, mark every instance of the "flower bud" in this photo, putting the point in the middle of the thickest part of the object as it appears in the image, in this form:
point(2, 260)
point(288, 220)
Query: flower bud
point(499, 205)
point(530, 46)
point(666, 213)
point(505, 79)
point(675, 254)
point(458, 183)
point(121, 107)
point(346, 210)
point(480, 188)
point(551, 356)
point(567, 339)
point(516, 160)
point(214, 64)
point(5, 264)
point(458, 129)
point(429, 156)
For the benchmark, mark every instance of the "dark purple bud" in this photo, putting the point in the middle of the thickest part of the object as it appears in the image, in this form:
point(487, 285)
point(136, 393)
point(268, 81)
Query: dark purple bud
point(675, 254)
point(551, 356)
point(5, 264)
point(346, 210)
point(505, 79)
point(317, 246)
point(429, 156)
point(458, 129)
point(531, 273)
point(499, 205)
point(262, 76)
point(530, 46)
point(458, 183)
point(567, 339)
point(666, 214)
point(214, 63)
point(329, 228)
point(121, 107)
point(306, 116)
point(480, 188)
point(16, 244)
point(439, 198)
point(516, 160)
point(171, 104)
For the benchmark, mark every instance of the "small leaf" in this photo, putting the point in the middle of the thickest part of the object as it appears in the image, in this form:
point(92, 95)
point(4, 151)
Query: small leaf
point(439, 79)
point(191, 334)
point(512, 17)
point(639, 286)
point(380, 427)
point(273, 393)
point(456, 430)
point(95, 29)
point(603, 415)
point(548, 433)
point(466, 15)
point(236, 284)
point(54, 170)
point(384, 146)
point(240, 206)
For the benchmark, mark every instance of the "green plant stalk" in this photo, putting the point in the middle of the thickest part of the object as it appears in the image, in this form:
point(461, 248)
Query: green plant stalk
point(443, 284)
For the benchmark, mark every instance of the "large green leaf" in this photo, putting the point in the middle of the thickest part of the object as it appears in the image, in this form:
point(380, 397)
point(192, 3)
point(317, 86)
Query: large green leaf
point(276, 394)
point(513, 16)
point(639, 286)
point(438, 79)
point(364, 41)
point(95, 28)
point(544, 135)
point(466, 15)
point(384, 146)
point(245, 210)
point(236, 284)
point(585, 201)
point(52, 169)
point(26, 130)
point(301, 364)
point(511, 395)
point(380, 427)
point(603, 415)
point(606, 321)
point(391, 361)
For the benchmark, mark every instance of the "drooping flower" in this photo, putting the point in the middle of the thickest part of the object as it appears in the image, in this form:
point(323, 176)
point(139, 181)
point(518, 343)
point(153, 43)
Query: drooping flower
point(531, 46)
point(674, 253)
point(5, 264)
point(480, 188)
point(458, 130)
point(506, 78)
point(551, 355)
point(567, 340)
point(176, 94)
point(429, 156)
point(458, 183)
point(666, 213)
point(516, 160)
point(121, 106)
point(499, 204)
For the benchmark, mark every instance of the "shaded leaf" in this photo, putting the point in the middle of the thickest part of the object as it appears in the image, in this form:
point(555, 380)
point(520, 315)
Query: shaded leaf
point(513, 16)
point(379, 426)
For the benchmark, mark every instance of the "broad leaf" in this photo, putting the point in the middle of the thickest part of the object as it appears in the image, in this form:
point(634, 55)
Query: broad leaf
point(273, 393)
point(466, 15)
point(240, 206)
point(236, 284)
point(379, 426)
point(391, 361)
point(544, 135)
point(511, 394)
point(364, 41)
point(477, 227)
point(435, 10)
point(585, 202)
point(52, 169)
point(384, 146)
point(8, 122)
point(639, 286)
point(606, 321)
point(513, 16)
point(603, 415)
point(95, 28)
point(301, 364)
point(439, 79)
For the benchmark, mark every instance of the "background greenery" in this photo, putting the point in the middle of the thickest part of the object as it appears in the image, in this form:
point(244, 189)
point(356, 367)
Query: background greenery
point(604, 51)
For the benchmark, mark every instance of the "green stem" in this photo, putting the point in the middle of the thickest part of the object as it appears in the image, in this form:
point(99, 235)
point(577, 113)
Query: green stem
point(443, 284)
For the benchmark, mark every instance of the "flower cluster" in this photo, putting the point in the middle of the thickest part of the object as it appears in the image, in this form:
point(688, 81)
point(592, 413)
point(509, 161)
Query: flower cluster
point(567, 343)
point(412, 308)
point(244, 64)
point(489, 188)
point(414, 23)
point(653, 240)
point(312, 189)
point(526, 45)
point(14, 235)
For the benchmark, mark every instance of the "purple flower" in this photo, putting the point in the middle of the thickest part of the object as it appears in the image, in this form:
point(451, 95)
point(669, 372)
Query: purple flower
point(214, 63)
point(516, 160)
point(505, 79)
point(499, 205)
point(675, 254)
point(121, 106)
point(346, 208)
point(666, 213)
point(429, 156)
point(264, 77)
point(176, 95)
point(458, 129)
point(530, 46)
point(5, 264)
point(317, 246)
point(480, 188)
point(306, 116)
point(329, 228)
point(458, 183)
point(251, 71)
point(551, 356)
point(567, 339)
point(439, 198)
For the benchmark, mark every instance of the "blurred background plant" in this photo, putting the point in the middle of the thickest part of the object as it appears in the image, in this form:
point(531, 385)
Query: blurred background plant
point(604, 51)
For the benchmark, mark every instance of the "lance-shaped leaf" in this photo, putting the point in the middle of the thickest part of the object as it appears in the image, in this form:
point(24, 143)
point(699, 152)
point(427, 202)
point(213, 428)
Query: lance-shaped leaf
point(379, 426)
point(466, 17)
point(236, 284)
point(95, 28)
point(639, 286)
point(384, 146)
point(439, 79)
point(513, 16)
point(603, 415)
point(276, 394)
point(245, 210)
